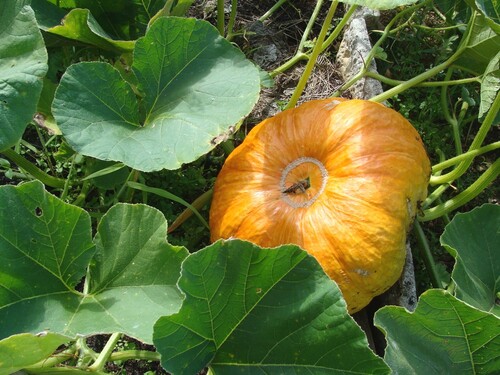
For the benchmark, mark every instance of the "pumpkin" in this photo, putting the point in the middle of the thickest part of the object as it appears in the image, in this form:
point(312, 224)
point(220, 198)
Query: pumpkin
point(341, 178)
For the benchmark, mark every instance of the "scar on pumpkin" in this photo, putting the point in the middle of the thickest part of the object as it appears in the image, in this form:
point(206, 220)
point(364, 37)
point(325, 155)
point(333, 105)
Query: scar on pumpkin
point(332, 104)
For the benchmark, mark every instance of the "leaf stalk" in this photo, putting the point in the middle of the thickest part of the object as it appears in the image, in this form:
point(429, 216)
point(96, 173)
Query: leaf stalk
point(476, 143)
point(106, 352)
point(465, 196)
point(314, 56)
point(427, 257)
point(33, 170)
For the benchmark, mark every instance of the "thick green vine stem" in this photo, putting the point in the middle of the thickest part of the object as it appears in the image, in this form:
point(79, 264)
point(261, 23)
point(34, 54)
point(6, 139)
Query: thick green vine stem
point(86, 354)
point(428, 73)
point(340, 26)
point(232, 19)
point(371, 55)
point(465, 196)
point(314, 55)
point(300, 54)
point(63, 370)
point(436, 168)
point(220, 17)
point(273, 9)
point(67, 185)
point(476, 144)
point(103, 357)
point(436, 194)
point(449, 117)
point(464, 161)
point(309, 26)
point(395, 82)
point(86, 186)
point(425, 249)
point(125, 355)
point(33, 170)
point(54, 360)
point(417, 79)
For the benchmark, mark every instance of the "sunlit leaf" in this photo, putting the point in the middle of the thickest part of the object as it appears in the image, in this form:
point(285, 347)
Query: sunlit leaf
point(46, 248)
point(483, 45)
point(443, 336)
point(490, 86)
point(473, 238)
point(80, 25)
point(120, 20)
point(457, 12)
point(251, 310)
point(195, 84)
point(23, 63)
point(490, 9)
point(23, 350)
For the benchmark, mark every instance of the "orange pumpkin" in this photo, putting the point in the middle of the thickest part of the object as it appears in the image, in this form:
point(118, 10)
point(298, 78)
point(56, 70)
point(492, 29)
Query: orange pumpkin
point(340, 178)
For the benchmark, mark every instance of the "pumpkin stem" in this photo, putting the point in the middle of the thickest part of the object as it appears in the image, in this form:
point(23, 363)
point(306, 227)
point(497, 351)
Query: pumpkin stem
point(298, 187)
point(301, 186)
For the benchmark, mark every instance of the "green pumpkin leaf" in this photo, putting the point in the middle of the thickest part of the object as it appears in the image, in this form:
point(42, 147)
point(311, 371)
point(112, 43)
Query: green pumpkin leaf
point(252, 310)
point(46, 248)
point(443, 336)
point(456, 12)
point(490, 9)
point(23, 62)
point(473, 239)
point(195, 86)
point(484, 44)
point(490, 86)
point(120, 19)
point(23, 350)
point(80, 25)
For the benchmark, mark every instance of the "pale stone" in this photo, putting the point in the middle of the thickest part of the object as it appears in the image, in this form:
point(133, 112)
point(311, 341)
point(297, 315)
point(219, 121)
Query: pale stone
point(352, 53)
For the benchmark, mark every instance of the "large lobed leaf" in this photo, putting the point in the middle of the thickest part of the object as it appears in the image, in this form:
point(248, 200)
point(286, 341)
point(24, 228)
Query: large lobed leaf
point(80, 25)
point(46, 247)
point(195, 87)
point(473, 239)
point(490, 9)
point(23, 64)
point(490, 86)
point(443, 336)
point(483, 45)
point(250, 310)
point(460, 11)
point(110, 21)
point(25, 349)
